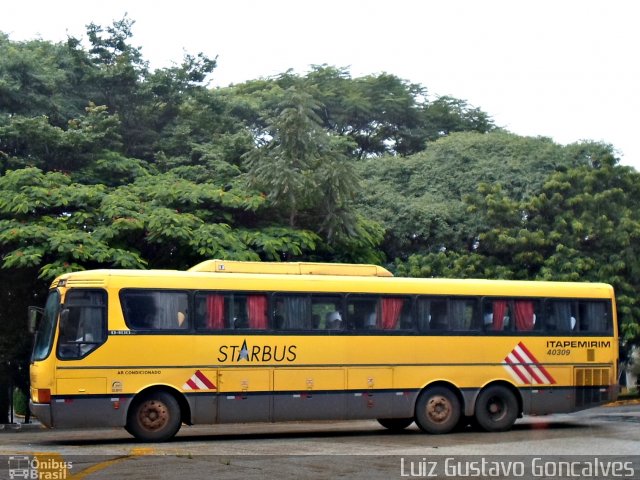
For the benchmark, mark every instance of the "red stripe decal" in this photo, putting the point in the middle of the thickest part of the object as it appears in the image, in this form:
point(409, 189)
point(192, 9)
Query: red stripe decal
point(193, 385)
point(515, 369)
point(205, 380)
point(538, 364)
point(524, 363)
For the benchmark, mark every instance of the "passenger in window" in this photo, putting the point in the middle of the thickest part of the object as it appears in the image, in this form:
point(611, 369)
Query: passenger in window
point(334, 321)
point(370, 321)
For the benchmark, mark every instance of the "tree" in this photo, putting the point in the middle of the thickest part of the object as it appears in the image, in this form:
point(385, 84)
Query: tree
point(40, 78)
point(381, 114)
point(35, 142)
point(581, 226)
point(420, 198)
point(302, 167)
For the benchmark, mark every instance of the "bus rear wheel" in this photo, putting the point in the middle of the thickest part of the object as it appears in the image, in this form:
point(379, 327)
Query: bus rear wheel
point(154, 417)
point(496, 409)
point(395, 424)
point(437, 410)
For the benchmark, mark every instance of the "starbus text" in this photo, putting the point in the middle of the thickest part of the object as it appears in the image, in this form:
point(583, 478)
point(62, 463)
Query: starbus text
point(257, 353)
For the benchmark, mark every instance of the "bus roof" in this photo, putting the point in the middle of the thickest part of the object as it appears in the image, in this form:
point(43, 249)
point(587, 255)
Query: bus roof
point(291, 268)
point(327, 283)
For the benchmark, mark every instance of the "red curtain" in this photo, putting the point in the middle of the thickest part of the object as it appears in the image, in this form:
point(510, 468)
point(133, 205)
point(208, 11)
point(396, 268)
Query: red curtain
point(215, 312)
point(499, 309)
point(391, 308)
point(257, 311)
point(524, 315)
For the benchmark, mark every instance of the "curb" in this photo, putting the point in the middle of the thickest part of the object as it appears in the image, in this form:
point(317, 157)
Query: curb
point(623, 402)
point(18, 427)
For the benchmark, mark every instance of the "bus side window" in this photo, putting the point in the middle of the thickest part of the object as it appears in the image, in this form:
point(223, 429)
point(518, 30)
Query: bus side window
point(423, 314)
point(525, 316)
point(593, 317)
point(362, 312)
point(463, 314)
point(155, 309)
point(395, 313)
point(251, 311)
point(326, 312)
point(212, 311)
point(560, 316)
point(292, 312)
point(496, 314)
point(139, 310)
point(432, 314)
point(407, 316)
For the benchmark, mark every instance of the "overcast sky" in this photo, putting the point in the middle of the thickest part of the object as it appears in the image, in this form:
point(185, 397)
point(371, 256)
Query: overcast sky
point(565, 69)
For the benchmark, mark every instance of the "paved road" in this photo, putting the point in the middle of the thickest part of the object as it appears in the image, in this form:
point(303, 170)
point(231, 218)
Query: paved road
point(360, 449)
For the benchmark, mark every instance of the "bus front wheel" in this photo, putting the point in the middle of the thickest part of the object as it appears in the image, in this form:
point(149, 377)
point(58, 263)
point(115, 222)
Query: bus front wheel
point(154, 417)
point(437, 410)
point(395, 424)
point(496, 409)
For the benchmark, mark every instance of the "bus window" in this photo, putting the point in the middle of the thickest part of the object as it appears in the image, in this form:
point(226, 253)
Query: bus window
point(463, 314)
point(326, 312)
point(504, 314)
point(362, 312)
point(231, 311)
point(560, 316)
point(395, 313)
point(292, 312)
point(496, 314)
point(526, 315)
point(212, 311)
point(155, 310)
point(594, 317)
point(251, 311)
point(389, 313)
point(82, 323)
point(432, 314)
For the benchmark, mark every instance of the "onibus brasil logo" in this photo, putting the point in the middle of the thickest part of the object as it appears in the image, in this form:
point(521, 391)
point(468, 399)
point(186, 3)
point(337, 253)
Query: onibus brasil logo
point(38, 468)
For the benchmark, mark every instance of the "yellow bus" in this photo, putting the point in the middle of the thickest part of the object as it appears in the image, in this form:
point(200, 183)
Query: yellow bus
point(268, 342)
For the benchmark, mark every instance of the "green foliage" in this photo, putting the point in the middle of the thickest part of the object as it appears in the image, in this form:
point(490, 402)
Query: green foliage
point(582, 225)
point(39, 78)
point(35, 142)
point(48, 221)
point(421, 199)
point(381, 114)
point(305, 171)
point(20, 402)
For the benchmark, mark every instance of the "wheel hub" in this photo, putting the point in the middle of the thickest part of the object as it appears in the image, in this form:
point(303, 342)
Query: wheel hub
point(438, 409)
point(153, 415)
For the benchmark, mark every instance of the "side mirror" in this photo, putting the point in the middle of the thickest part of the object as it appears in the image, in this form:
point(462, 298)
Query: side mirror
point(34, 314)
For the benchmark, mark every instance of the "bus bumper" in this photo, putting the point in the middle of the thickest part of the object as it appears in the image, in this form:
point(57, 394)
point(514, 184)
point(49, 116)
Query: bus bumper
point(42, 411)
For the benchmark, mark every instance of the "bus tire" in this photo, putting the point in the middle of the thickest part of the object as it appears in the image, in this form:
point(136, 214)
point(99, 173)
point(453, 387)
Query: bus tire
point(496, 409)
point(395, 424)
point(154, 417)
point(437, 410)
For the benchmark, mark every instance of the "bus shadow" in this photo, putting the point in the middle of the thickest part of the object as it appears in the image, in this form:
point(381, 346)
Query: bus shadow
point(204, 434)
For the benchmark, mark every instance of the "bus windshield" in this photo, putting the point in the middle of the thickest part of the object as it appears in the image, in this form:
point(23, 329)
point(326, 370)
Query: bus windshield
point(44, 336)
